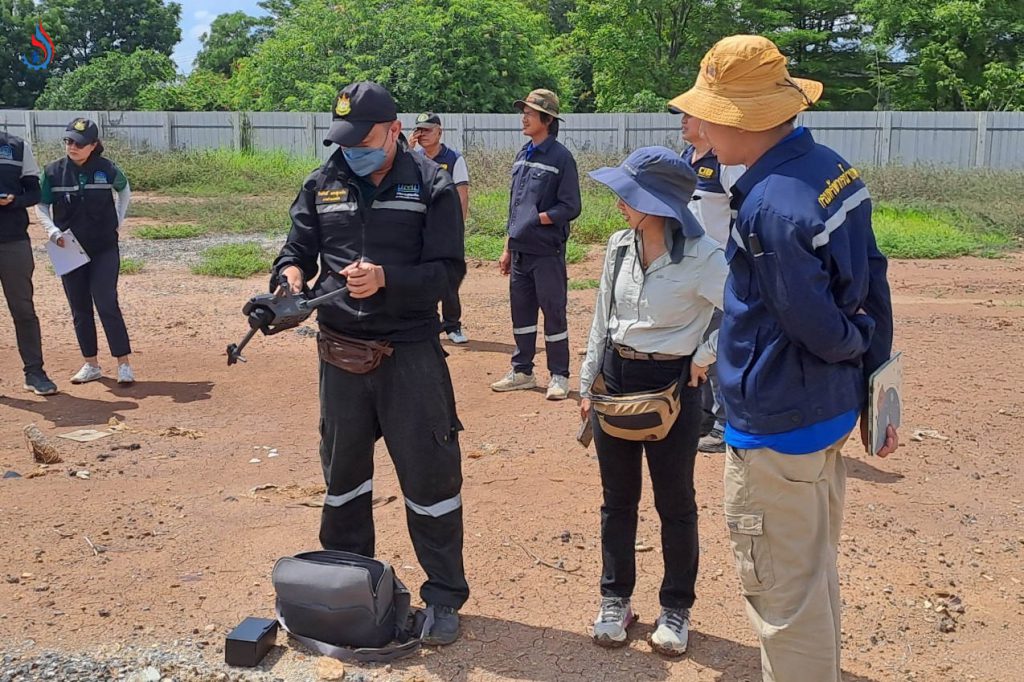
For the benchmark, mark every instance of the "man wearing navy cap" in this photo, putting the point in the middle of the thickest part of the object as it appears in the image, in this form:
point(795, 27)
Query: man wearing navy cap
point(387, 224)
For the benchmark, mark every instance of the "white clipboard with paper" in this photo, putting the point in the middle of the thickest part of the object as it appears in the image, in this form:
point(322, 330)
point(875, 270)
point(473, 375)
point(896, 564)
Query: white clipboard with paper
point(884, 400)
point(69, 257)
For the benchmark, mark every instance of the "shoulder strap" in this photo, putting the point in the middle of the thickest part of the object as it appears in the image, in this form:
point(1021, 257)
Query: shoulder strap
point(620, 255)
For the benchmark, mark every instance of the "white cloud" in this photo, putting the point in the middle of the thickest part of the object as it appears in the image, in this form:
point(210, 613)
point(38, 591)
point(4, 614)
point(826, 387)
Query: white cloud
point(203, 15)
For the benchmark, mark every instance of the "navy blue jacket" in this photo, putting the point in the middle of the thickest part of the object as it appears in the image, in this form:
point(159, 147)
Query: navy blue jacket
point(793, 349)
point(544, 181)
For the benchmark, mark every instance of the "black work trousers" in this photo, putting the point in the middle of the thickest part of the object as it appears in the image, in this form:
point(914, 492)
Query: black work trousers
point(451, 311)
point(95, 284)
point(409, 401)
point(16, 268)
point(670, 462)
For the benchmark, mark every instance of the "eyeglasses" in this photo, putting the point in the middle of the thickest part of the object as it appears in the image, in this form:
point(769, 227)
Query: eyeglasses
point(71, 143)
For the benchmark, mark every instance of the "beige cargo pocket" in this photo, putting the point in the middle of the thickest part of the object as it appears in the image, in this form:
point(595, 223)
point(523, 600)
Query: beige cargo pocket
point(750, 547)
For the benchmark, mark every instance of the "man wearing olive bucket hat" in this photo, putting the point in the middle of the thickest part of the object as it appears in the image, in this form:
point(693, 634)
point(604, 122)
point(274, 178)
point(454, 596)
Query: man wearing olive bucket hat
point(807, 319)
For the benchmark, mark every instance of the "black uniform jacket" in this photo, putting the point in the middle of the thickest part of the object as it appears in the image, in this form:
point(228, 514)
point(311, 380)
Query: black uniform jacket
point(411, 224)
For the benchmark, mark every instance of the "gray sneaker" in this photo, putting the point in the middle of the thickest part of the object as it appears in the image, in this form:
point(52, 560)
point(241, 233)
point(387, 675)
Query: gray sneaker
point(558, 388)
point(713, 442)
point(615, 616)
point(672, 632)
point(514, 381)
point(442, 625)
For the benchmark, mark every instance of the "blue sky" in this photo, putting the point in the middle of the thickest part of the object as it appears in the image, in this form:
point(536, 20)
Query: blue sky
point(196, 16)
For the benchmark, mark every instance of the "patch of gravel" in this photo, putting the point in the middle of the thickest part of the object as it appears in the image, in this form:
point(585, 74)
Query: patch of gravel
point(127, 665)
point(179, 661)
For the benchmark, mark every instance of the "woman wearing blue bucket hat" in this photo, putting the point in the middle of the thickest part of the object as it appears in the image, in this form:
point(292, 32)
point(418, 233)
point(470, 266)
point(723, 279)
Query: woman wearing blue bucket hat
point(662, 279)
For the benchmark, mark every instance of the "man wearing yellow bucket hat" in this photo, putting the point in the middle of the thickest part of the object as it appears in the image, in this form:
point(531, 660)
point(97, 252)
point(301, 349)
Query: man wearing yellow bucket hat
point(807, 318)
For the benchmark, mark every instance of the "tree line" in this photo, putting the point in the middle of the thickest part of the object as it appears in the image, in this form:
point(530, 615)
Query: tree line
point(480, 55)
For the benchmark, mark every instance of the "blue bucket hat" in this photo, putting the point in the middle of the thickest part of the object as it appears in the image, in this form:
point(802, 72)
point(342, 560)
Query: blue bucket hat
point(656, 181)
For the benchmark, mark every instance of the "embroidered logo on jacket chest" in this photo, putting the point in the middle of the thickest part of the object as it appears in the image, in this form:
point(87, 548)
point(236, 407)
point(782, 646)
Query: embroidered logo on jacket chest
point(100, 177)
point(407, 192)
point(6, 152)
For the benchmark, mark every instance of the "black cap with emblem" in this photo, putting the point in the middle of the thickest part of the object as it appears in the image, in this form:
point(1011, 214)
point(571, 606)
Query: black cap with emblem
point(82, 131)
point(428, 120)
point(356, 109)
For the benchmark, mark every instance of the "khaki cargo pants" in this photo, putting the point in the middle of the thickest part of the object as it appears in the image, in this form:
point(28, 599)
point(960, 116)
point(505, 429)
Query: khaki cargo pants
point(784, 514)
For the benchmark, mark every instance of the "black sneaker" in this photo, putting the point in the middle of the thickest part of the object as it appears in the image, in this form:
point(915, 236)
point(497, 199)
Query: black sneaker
point(442, 626)
point(39, 383)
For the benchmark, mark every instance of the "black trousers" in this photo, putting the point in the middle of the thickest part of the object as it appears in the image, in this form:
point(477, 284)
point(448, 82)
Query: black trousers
point(670, 462)
point(409, 401)
point(539, 282)
point(16, 268)
point(451, 312)
point(95, 284)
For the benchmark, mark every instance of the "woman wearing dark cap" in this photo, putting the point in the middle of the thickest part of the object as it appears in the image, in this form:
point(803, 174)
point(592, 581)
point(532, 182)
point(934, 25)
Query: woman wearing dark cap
point(88, 195)
point(662, 280)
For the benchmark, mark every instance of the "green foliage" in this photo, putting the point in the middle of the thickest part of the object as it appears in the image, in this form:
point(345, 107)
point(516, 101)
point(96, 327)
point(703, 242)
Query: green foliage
point(823, 41)
point(956, 54)
point(112, 81)
point(232, 36)
point(645, 45)
point(183, 231)
point(200, 91)
point(233, 260)
point(131, 266)
point(91, 28)
point(21, 85)
point(453, 55)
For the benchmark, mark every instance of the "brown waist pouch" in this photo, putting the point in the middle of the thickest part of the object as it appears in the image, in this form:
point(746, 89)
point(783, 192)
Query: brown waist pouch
point(355, 356)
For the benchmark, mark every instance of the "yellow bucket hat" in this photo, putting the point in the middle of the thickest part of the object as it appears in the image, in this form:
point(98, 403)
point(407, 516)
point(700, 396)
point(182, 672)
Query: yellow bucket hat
point(743, 83)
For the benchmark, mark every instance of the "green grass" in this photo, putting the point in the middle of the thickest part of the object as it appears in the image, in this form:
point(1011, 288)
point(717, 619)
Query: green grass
point(233, 260)
point(244, 215)
point(582, 284)
point(489, 247)
point(921, 212)
point(132, 266)
point(908, 232)
point(170, 231)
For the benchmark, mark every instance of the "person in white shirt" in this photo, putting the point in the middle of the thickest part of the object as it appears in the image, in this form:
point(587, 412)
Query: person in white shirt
point(710, 203)
point(426, 138)
point(649, 325)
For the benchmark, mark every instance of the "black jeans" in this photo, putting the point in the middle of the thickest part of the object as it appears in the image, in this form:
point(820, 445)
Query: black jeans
point(16, 267)
point(670, 462)
point(409, 401)
point(95, 283)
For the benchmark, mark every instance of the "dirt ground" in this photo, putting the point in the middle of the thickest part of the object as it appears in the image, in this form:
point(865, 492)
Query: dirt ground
point(176, 539)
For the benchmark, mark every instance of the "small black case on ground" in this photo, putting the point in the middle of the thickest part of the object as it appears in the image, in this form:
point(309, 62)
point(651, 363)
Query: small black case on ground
point(248, 643)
